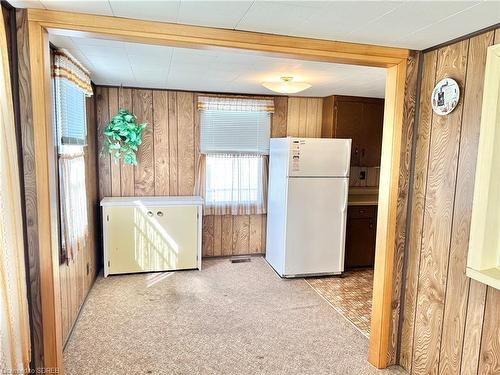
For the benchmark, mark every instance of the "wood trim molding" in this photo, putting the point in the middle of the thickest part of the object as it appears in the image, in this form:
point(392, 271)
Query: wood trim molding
point(379, 344)
point(207, 37)
point(84, 25)
point(45, 190)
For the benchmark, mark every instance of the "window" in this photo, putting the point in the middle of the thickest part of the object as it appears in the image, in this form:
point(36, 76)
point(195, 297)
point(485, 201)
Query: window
point(234, 144)
point(234, 183)
point(71, 86)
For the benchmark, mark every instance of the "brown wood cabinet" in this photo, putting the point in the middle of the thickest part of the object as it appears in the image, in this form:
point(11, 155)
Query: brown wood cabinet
point(361, 233)
point(360, 119)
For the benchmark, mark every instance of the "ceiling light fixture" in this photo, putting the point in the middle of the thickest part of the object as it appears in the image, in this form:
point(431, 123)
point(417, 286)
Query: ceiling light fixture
point(286, 85)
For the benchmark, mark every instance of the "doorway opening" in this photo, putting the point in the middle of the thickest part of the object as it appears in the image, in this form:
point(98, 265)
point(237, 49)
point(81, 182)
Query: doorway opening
point(393, 59)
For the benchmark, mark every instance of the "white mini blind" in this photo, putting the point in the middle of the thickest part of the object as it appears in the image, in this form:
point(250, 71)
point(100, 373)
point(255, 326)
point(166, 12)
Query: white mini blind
point(72, 85)
point(70, 113)
point(237, 127)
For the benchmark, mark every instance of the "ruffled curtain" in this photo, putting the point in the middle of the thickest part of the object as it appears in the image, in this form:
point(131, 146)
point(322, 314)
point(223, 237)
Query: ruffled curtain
point(233, 184)
point(67, 67)
point(74, 220)
point(14, 323)
point(217, 103)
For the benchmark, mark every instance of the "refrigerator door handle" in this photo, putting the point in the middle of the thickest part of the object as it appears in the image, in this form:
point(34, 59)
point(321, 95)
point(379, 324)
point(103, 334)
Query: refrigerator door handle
point(346, 193)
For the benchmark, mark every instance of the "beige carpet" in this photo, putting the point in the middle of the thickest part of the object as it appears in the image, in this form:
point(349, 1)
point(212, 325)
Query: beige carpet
point(227, 319)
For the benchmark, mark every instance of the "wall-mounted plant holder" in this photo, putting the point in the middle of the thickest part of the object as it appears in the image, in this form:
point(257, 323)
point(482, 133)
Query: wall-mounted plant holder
point(483, 262)
point(123, 136)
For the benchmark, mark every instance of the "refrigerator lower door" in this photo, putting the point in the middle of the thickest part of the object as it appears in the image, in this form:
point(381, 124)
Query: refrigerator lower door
point(315, 229)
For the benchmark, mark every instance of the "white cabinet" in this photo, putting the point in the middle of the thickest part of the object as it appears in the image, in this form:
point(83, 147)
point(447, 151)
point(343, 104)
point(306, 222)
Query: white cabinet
point(151, 234)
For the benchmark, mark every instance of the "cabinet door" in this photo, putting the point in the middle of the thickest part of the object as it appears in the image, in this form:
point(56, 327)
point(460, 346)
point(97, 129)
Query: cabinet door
point(371, 140)
point(360, 237)
point(144, 239)
point(120, 240)
point(348, 124)
point(172, 232)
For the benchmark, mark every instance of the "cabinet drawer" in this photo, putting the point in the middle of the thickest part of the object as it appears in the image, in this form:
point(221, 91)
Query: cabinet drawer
point(360, 212)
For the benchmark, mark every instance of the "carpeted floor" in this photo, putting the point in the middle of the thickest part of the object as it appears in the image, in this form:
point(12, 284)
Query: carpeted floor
point(227, 319)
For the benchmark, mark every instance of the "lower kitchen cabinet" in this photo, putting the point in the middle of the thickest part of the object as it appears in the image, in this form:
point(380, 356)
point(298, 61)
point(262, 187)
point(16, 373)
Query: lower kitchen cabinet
point(151, 234)
point(361, 234)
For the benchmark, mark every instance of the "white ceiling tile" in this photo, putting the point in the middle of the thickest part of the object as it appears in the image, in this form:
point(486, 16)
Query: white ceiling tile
point(342, 17)
point(91, 7)
point(405, 20)
point(164, 11)
point(139, 65)
point(26, 3)
point(407, 24)
point(160, 52)
point(223, 14)
point(486, 13)
point(280, 17)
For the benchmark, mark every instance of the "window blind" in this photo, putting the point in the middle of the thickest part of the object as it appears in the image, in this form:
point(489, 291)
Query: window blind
point(225, 131)
point(70, 113)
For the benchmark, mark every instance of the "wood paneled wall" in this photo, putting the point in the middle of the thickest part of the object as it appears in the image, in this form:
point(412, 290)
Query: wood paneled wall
point(450, 323)
point(304, 117)
point(77, 276)
point(30, 195)
point(167, 161)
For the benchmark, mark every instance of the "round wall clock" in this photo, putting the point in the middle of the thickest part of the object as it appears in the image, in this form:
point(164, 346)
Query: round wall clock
point(445, 96)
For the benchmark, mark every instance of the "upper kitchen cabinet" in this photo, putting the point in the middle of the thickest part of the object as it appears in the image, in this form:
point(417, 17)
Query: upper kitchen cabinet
point(360, 119)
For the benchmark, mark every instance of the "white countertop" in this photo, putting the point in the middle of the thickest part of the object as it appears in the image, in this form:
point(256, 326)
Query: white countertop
point(152, 201)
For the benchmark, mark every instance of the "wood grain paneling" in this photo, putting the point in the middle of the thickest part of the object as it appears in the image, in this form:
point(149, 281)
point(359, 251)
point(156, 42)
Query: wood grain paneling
point(172, 141)
point(279, 125)
point(127, 171)
point(438, 218)
point(160, 130)
point(489, 362)
point(456, 302)
point(167, 160)
point(104, 165)
point(144, 175)
point(417, 210)
point(373, 175)
point(30, 195)
point(77, 275)
point(304, 117)
point(241, 234)
point(450, 323)
point(113, 102)
point(185, 143)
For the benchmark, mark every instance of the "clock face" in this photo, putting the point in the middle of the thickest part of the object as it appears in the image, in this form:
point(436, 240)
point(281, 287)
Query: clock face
point(445, 96)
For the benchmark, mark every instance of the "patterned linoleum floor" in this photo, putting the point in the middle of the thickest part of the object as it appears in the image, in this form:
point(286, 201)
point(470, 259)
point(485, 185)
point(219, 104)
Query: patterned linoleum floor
point(350, 295)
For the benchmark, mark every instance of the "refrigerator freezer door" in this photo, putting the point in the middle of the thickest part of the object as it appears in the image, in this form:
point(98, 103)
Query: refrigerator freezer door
point(319, 157)
point(316, 217)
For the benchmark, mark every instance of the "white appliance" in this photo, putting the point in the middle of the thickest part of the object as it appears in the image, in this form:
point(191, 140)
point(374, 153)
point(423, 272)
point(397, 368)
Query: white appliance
point(307, 205)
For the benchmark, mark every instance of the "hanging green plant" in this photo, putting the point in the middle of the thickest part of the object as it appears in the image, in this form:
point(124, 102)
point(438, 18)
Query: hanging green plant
point(122, 136)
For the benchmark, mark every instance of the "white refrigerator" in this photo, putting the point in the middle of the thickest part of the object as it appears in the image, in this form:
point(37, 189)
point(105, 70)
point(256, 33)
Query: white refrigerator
point(307, 205)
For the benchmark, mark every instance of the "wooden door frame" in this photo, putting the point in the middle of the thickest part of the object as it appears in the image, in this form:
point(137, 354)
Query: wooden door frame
point(40, 22)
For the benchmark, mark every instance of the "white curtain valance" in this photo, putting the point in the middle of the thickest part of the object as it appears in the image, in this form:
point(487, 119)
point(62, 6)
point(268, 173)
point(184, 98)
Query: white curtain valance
point(69, 68)
point(216, 103)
